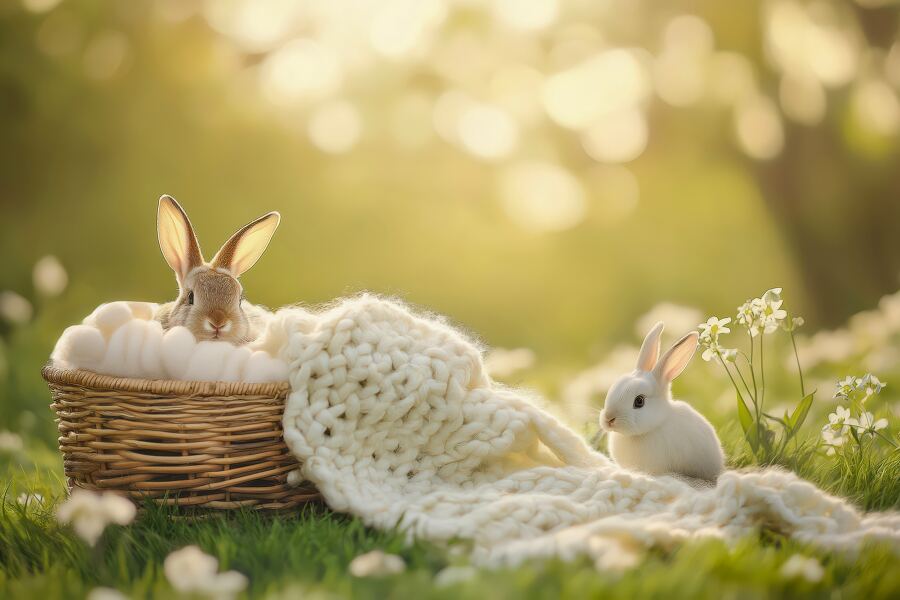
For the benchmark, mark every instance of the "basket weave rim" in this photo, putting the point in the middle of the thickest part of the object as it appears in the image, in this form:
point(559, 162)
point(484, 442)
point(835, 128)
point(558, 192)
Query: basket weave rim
point(162, 387)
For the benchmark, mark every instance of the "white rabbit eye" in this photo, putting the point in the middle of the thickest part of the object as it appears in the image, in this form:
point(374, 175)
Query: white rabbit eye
point(639, 401)
point(190, 297)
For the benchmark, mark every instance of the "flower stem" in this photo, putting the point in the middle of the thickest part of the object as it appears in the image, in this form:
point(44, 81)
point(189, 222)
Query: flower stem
point(799, 368)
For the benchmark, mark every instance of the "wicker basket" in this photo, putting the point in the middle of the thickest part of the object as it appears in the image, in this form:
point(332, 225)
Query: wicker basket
point(211, 445)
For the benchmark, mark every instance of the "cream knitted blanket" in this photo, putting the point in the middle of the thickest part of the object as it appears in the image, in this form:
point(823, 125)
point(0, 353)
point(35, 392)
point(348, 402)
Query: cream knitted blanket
point(396, 421)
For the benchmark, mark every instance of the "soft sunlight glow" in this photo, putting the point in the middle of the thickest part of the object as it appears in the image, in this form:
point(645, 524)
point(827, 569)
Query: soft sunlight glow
point(812, 39)
point(615, 193)
point(610, 81)
point(487, 132)
point(617, 137)
point(410, 120)
point(300, 70)
point(335, 127)
point(402, 26)
point(39, 6)
point(59, 35)
point(731, 78)
point(106, 55)
point(542, 197)
point(257, 25)
point(517, 89)
point(802, 98)
point(758, 128)
point(876, 107)
point(526, 16)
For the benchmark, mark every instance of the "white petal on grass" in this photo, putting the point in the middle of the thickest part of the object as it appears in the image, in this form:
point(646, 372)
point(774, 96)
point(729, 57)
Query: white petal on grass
point(525, 16)
point(190, 570)
point(376, 564)
point(301, 70)
point(799, 566)
point(502, 362)
point(617, 137)
point(876, 107)
point(14, 308)
point(49, 276)
point(89, 513)
point(802, 98)
point(335, 127)
point(758, 128)
point(610, 81)
point(26, 499)
point(454, 575)
point(487, 132)
point(542, 196)
point(105, 593)
point(10, 442)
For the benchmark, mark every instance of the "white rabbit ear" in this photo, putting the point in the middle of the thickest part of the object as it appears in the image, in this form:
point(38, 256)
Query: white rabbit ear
point(676, 358)
point(244, 248)
point(176, 238)
point(650, 348)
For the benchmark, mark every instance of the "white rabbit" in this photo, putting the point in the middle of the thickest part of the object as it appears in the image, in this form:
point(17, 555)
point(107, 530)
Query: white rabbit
point(651, 432)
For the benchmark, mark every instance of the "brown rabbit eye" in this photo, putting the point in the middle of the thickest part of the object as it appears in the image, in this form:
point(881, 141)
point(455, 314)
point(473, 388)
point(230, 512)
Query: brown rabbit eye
point(639, 401)
point(190, 297)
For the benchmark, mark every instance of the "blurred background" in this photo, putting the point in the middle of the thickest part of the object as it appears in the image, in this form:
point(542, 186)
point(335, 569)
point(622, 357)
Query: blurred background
point(551, 174)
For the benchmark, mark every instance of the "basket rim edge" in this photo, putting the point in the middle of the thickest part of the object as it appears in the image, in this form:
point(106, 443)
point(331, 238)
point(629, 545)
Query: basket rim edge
point(164, 387)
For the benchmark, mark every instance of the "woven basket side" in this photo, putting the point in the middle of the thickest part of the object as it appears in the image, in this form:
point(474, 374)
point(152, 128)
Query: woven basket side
point(199, 449)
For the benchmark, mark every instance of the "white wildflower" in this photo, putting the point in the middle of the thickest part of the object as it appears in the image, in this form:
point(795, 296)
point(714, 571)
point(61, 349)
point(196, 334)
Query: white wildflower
point(49, 276)
point(502, 363)
point(762, 315)
point(89, 513)
point(858, 388)
point(192, 571)
point(376, 564)
point(834, 433)
point(713, 327)
point(14, 308)
point(868, 424)
point(25, 499)
point(105, 593)
point(792, 323)
point(454, 575)
point(799, 566)
point(10, 442)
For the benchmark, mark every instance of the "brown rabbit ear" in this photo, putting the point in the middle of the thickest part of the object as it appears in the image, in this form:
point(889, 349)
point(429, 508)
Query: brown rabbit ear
point(176, 238)
point(245, 247)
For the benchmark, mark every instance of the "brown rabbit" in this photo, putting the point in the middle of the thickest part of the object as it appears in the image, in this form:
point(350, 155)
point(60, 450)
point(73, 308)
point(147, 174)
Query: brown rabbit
point(211, 300)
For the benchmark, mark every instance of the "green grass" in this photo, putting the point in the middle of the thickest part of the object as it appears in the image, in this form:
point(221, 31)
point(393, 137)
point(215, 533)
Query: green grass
point(306, 554)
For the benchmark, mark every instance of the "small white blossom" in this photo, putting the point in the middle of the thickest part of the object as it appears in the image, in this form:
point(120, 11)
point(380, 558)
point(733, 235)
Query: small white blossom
point(376, 564)
point(25, 499)
point(763, 315)
point(14, 308)
point(714, 326)
point(799, 566)
point(10, 442)
point(869, 425)
point(49, 276)
point(858, 388)
point(105, 593)
point(89, 513)
point(453, 575)
point(792, 323)
point(192, 571)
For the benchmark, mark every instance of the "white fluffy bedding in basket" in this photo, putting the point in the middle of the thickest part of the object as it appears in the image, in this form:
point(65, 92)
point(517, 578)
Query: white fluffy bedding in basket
point(122, 339)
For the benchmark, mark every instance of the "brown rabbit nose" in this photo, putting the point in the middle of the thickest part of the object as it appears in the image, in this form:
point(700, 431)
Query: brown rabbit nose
point(218, 321)
point(611, 422)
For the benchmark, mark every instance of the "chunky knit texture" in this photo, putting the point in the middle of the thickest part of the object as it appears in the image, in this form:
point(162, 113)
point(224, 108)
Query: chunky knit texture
point(396, 421)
